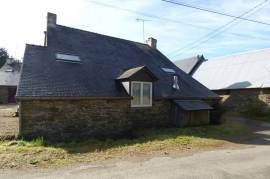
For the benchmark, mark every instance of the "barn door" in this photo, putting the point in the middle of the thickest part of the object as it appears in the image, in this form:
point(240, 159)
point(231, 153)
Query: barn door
point(176, 116)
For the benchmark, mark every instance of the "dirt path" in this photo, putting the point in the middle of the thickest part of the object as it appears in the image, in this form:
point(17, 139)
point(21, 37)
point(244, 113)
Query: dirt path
point(245, 163)
point(9, 125)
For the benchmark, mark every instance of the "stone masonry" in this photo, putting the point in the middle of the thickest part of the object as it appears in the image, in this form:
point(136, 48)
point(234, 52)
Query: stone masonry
point(240, 99)
point(68, 119)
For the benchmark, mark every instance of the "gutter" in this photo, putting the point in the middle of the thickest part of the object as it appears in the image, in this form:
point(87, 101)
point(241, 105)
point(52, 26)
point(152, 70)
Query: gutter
point(26, 98)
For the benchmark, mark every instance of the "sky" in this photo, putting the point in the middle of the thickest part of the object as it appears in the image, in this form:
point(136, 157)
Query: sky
point(180, 31)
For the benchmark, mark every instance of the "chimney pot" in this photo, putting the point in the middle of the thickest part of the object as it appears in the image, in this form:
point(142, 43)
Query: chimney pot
point(51, 19)
point(152, 42)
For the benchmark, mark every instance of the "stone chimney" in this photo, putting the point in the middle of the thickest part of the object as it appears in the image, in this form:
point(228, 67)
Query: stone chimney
point(151, 42)
point(51, 19)
point(51, 22)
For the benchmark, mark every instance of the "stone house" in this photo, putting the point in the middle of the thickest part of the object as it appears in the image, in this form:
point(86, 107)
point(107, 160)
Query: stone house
point(242, 80)
point(9, 79)
point(82, 84)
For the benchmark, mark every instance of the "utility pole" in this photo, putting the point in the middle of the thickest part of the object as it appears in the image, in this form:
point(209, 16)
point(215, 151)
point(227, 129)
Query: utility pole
point(142, 20)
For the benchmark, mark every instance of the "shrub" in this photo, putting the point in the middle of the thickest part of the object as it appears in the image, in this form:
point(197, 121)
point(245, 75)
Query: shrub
point(256, 110)
point(267, 113)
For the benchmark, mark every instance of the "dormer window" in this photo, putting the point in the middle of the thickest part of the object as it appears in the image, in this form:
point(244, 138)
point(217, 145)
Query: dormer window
point(138, 83)
point(141, 93)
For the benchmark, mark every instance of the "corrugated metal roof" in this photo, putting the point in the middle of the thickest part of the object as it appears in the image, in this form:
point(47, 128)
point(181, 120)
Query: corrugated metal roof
point(246, 70)
point(192, 105)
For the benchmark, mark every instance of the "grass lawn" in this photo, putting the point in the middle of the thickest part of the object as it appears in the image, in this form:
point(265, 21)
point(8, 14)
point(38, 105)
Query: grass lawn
point(19, 153)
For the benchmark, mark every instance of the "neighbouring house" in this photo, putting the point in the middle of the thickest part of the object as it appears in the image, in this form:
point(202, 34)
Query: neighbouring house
point(242, 80)
point(9, 79)
point(82, 84)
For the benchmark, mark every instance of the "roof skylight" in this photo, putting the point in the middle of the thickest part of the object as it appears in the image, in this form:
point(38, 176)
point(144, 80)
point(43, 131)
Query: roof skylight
point(68, 58)
point(168, 70)
point(9, 70)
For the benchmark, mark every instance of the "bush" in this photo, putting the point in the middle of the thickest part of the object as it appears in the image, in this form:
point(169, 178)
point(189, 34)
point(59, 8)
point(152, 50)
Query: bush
point(255, 110)
point(267, 113)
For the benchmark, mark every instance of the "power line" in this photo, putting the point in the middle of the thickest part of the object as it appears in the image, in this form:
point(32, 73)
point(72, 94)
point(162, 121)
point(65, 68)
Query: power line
point(168, 19)
point(217, 31)
point(215, 12)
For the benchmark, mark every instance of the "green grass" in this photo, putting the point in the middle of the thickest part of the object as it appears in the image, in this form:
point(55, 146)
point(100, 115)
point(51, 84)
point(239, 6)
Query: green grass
point(149, 141)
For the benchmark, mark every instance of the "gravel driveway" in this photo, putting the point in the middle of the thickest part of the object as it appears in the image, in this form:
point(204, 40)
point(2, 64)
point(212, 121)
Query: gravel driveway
point(252, 161)
point(9, 125)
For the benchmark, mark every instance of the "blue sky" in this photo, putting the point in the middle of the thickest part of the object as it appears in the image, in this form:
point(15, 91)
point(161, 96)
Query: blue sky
point(173, 26)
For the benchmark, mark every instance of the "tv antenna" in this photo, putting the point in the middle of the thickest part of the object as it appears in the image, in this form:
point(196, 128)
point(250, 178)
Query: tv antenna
point(142, 20)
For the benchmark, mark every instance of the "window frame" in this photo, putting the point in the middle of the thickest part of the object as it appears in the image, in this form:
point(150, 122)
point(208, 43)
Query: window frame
point(141, 93)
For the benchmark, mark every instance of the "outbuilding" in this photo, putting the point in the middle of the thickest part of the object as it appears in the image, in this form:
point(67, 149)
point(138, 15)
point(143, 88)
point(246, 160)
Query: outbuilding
point(9, 79)
point(242, 80)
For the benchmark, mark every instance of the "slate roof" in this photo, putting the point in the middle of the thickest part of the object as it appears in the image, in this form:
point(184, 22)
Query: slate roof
point(189, 65)
point(192, 105)
point(10, 74)
point(103, 59)
point(239, 71)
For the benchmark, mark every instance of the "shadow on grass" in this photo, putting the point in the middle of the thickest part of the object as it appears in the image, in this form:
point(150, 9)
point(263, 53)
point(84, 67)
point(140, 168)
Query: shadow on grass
point(236, 131)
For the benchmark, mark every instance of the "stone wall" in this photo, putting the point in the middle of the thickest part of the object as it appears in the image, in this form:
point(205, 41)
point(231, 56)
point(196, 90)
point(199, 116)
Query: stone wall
point(3, 95)
point(240, 99)
point(67, 119)
point(156, 116)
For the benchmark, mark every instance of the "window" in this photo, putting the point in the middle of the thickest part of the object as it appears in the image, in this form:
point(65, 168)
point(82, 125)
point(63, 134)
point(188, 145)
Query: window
point(141, 93)
point(168, 70)
point(68, 58)
point(9, 70)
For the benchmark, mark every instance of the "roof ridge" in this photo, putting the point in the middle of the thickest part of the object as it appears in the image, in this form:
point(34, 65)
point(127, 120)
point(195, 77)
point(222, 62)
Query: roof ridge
point(188, 58)
point(35, 45)
point(108, 36)
point(240, 53)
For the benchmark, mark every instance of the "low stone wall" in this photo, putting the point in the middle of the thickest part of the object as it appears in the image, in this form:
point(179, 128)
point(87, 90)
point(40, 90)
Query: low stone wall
point(67, 119)
point(240, 99)
point(3, 95)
